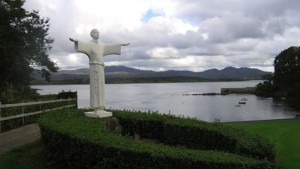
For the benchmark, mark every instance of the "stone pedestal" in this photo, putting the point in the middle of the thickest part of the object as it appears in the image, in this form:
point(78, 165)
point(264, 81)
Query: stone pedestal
point(98, 114)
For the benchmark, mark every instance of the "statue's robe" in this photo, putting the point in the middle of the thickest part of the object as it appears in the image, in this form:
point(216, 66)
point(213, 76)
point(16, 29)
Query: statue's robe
point(96, 51)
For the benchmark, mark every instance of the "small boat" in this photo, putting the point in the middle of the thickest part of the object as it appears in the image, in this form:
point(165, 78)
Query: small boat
point(242, 102)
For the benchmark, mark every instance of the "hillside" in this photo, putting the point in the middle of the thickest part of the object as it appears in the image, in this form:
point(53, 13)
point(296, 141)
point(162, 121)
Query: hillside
point(125, 75)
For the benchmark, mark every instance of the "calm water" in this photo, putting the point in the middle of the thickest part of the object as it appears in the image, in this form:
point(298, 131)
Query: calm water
point(169, 98)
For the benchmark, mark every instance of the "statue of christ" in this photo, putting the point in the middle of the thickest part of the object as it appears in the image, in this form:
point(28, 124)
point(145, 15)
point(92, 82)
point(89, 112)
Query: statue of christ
point(96, 50)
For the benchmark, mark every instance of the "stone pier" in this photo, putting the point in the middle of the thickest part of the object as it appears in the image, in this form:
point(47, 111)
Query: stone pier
point(246, 90)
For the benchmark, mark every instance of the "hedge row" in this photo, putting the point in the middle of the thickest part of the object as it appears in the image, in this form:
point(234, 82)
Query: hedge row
point(75, 141)
point(195, 134)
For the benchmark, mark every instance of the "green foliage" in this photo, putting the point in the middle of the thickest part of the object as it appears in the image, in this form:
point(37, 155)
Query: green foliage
point(287, 68)
point(25, 157)
point(265, 89)
point(287, 74)
point(148, 125)
point(294, 97)
point(286, 78)
point(195, 134)
point(11, 94)
point(8, 95)
point(24, 44)
point(66, 95)
point(75, 141)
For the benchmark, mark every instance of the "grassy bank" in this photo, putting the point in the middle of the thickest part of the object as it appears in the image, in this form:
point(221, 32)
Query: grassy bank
point(285, 134)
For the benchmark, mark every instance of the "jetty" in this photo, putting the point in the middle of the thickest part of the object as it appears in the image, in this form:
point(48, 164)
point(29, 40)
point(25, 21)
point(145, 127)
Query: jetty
point(201, 94)
point(226, 91)
point(245, 90)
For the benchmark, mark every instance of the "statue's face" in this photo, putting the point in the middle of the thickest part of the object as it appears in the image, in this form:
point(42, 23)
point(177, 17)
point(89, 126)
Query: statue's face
point(95, 34)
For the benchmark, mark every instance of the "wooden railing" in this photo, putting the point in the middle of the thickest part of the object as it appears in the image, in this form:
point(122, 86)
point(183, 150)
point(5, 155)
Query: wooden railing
point(22, 114)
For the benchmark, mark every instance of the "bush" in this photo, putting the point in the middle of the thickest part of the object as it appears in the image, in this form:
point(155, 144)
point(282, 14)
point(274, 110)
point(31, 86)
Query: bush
point(12, 94)
point(195, 134)
point(66, 95)
point(75, 141)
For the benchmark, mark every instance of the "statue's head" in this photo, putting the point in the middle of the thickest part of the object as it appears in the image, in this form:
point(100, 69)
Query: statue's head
point(95, 34)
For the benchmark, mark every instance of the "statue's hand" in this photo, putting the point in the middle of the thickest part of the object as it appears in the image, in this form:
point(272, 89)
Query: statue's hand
point(125, 44)
point(73, 40)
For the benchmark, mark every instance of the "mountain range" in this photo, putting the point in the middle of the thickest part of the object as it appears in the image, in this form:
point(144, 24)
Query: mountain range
point(113, 72)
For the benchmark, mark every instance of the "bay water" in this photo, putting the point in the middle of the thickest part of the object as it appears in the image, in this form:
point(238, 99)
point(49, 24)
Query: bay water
point(171, 98)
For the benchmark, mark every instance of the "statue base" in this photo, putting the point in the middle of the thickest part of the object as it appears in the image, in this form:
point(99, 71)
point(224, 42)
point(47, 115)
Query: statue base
point(98, 114)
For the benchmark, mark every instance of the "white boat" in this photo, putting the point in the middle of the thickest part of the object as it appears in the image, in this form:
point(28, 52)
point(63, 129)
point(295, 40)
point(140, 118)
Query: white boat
point(242, 102)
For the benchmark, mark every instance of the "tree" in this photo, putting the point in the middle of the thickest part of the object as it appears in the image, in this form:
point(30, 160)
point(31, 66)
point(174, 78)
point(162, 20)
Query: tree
point(24, 44)
point(287, 74)
point(267, 87)
point(287, 68)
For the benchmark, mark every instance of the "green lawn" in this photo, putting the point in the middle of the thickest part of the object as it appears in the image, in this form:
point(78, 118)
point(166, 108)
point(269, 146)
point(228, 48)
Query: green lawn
point(285, 134)
point(26, 157)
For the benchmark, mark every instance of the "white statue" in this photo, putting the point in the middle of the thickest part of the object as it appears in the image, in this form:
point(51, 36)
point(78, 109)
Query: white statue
point(96, 51)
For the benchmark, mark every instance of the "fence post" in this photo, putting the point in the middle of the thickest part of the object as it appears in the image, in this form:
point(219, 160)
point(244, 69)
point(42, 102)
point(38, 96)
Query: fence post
point(23, 107)
point(0, 118)
point(76, 100)
point(40, 104)
point(68, 103)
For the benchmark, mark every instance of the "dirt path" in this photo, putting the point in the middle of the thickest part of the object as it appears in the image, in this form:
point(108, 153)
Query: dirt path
point(18, 137)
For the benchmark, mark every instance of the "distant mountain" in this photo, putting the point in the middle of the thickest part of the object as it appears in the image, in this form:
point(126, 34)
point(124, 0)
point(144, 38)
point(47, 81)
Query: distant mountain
point(226, 73)
point(127, 72)
point(232, 73)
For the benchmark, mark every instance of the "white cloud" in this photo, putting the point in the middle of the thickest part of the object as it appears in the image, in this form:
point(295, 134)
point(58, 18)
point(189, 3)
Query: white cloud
point(172, 25)
point(112, 14)
point(174, 34)
point(163, 53)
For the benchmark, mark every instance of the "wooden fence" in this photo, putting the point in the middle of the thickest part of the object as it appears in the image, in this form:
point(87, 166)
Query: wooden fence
point(22, 114)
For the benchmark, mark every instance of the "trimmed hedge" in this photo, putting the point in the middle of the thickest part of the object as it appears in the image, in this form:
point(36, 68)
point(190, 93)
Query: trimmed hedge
point(195, 134)
point(75, 141)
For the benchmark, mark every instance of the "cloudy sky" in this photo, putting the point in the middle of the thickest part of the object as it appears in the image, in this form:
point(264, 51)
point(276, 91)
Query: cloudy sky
point(174, 34)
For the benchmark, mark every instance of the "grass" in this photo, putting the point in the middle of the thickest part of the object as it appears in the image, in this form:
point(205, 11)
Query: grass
point(285, 134)
point(26, 157)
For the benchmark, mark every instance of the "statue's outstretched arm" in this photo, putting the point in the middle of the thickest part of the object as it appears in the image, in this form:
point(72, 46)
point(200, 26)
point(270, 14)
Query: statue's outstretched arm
point(73, 40)
point(125, 44)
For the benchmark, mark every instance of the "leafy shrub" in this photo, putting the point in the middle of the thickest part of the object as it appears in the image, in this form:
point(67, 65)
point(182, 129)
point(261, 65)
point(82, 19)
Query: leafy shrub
point(199, 135)
point(66, 95)
point(147, 125)
point(11, 94)
point(202, 135)
point(75, 141)
point(195, 134)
